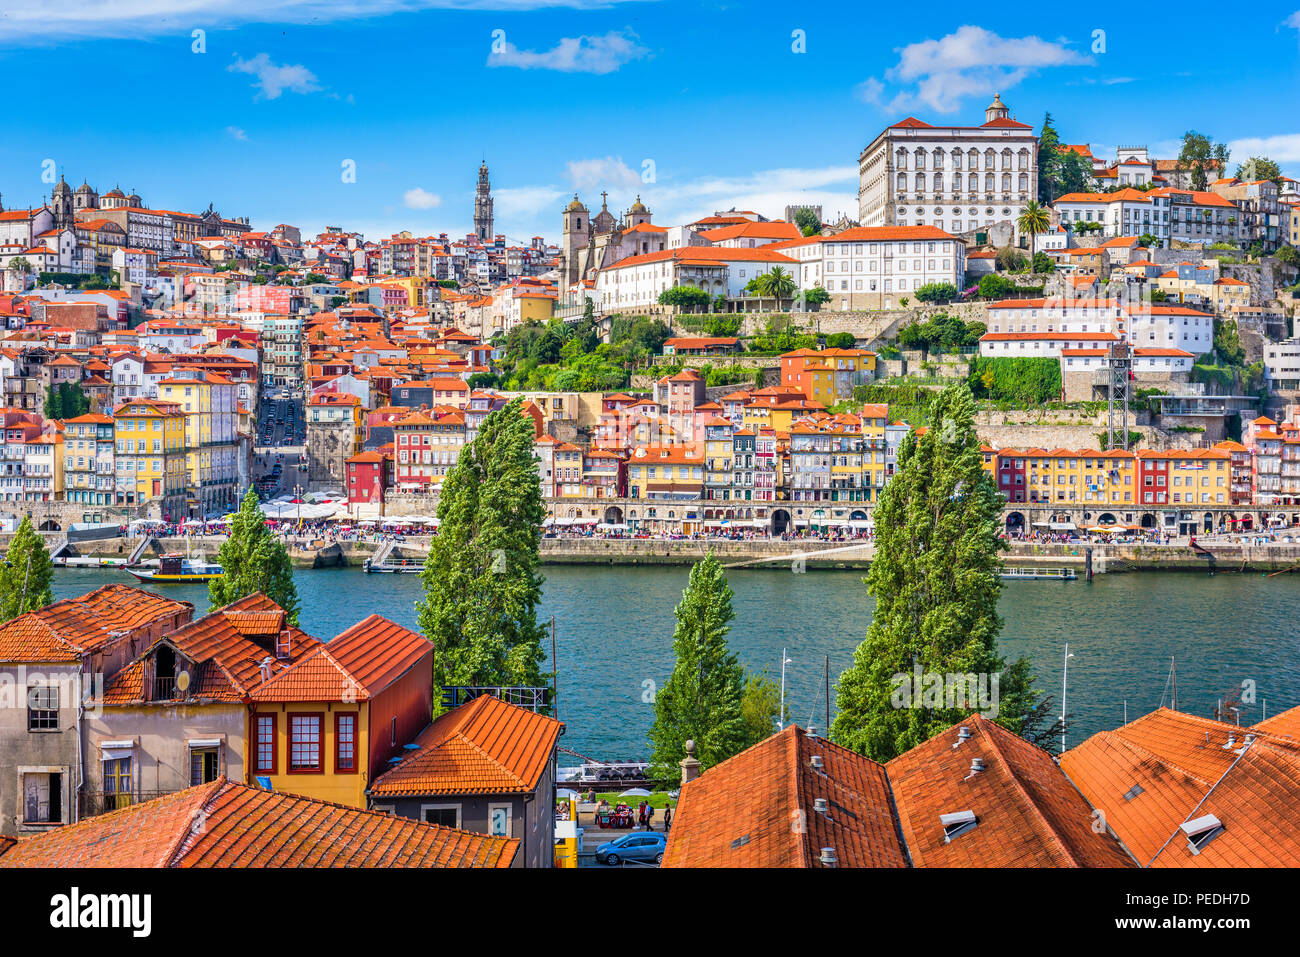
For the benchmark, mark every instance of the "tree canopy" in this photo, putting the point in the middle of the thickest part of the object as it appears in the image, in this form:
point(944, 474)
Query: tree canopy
point(252, 559)
point(27, 573)
point(481, 580)
point(701, 700)
point(935, 580)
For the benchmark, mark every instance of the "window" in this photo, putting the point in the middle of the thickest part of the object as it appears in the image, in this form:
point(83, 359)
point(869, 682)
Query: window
point(345, 743)
point(499, 820)
point(117, 781)
point(954, 825)
point(43, 708)
point(305, 741)
point(446, 815)
point(204, 765)
point(266, 763)
point(43, 798)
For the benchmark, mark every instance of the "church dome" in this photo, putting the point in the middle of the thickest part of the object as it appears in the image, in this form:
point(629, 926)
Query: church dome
point(114, 193)
point(638, 206)
point(575, 205)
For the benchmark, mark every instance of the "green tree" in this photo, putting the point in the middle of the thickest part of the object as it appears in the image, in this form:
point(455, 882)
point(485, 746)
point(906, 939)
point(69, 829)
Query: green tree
point(1010, 259)
point(760, 703)
point(685, 297)
point(1201, 155)
point(816, 296)
point(1042, 264)
point(993, 286)
point(935, 580)
point(482, 583)
point(1257, 168)
point(1227, 342)
point(253, 560)
point(53, 406)
point(72, 400)
point(776, 284)
point(841, 340)
point(807, 221)
point(1049, 161)
point(1033, 219)
point(700, 701)
point(26, 574)
point(1149, 240)
point(937, 292)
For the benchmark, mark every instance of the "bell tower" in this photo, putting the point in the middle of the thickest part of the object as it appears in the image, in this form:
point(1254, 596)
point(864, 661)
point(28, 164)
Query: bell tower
point(483, 206)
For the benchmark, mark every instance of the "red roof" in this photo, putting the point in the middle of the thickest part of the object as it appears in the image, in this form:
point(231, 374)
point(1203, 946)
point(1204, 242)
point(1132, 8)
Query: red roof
point(69, 628)
point(486, 746)
point(249, 827)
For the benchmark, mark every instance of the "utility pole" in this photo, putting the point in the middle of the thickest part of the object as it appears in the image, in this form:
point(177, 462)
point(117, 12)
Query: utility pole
point(780, 716)
point(1065, 683)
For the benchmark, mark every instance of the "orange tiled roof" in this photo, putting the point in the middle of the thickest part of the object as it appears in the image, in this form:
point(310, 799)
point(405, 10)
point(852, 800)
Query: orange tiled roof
point(486, 746)
point(1165, 768)
point(1283, 725)
point(1028, 813)
point(66, 629)
point(739, 813)
point(249, 827)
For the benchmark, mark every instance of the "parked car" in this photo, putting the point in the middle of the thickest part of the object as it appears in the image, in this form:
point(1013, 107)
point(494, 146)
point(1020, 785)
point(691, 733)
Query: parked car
point(644, 846)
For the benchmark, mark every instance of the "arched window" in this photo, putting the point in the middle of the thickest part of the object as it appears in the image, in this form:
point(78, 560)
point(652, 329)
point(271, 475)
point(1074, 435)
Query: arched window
point(1024, 159)
point(901, 182)
point(920, 159)
point(988, 158)
point(988, 182)
point(956, 159)
point(1024, 182)
point(1006, 158)
point(920, 182)
point(972, 159)
point(973, 182)
point(1006, 182)
point(938, 159)
point(938, 182)
point(900, 159)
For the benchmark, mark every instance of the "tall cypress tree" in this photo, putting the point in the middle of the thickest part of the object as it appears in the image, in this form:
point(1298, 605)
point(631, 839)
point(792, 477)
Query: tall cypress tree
point(482, 580)
point(935, 580)
point(701, 701)
point(26, 574)
point(253, 560)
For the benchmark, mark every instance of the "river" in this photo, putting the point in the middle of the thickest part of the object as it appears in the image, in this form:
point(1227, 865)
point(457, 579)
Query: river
point(614, 630)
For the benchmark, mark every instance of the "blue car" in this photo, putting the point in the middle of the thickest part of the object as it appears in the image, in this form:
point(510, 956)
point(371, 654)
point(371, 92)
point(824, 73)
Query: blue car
point(644, 846)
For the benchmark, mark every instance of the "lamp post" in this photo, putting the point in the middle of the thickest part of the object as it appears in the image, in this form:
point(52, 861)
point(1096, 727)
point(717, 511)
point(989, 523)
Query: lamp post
point(780, 717)
point(1065, 677)
point(297, 494)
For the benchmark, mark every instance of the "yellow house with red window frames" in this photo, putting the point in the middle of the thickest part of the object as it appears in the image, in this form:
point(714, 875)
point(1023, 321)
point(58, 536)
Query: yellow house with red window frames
point(328, 726)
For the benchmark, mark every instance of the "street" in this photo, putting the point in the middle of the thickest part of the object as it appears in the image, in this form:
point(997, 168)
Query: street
point(281, 436)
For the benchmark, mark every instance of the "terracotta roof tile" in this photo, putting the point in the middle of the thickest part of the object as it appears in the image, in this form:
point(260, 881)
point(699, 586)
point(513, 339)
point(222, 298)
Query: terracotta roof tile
point(66, 629)
point(740, 812)
point(485, 746)
point(250, 827)
point(1027, 812)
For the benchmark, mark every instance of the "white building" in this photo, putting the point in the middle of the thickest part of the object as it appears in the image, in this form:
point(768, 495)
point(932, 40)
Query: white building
point(1126, 212)
point(1043, 327)
point(1282, 365)
point(875, 267)
point(954, 178)
point(719, 270)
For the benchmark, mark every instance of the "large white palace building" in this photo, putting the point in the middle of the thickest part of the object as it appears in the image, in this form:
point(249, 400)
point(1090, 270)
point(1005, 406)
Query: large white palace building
point(955, 178)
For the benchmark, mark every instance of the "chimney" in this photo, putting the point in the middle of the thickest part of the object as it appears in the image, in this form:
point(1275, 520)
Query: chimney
point(963, 735)
point(817, 763)
point(828, 858)
point(264, 666)
point(690, 766)
point(1232, 741)
point(976, 766)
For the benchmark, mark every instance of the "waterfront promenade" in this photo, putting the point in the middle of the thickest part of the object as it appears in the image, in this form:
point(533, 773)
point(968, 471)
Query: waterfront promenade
point(1238, 554)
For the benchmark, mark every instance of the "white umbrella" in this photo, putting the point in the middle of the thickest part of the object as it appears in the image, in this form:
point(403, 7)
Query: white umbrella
point(564, 794)
point(635, 792)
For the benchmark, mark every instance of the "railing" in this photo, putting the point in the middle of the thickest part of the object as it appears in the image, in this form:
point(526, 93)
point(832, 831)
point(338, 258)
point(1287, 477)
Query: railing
point(91, 803)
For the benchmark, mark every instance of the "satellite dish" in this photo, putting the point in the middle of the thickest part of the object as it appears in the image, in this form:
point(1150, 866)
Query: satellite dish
point(183, 681)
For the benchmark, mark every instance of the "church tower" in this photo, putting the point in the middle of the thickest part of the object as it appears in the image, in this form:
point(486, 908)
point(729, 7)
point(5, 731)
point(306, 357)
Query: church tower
point(577, 237)
point(483, 206)
point(997, 110)
point(61, 204)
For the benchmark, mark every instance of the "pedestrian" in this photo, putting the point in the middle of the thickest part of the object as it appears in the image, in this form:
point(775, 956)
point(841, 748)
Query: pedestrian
point(668, 817)
point(649, 816)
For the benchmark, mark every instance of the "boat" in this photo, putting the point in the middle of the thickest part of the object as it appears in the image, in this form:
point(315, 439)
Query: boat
point(1039, 574)
point(176, 570)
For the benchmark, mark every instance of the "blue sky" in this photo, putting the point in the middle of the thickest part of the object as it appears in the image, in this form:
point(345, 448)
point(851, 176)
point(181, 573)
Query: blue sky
point(716, 97)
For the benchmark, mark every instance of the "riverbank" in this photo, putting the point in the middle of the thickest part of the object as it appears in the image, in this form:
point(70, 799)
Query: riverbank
point(795, 555)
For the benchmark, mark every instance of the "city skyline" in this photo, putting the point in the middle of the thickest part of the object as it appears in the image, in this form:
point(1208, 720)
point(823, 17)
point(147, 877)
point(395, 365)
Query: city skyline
point(260, 120)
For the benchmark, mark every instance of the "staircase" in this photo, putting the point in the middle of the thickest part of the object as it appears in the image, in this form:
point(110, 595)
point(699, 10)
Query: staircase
point(140, 550)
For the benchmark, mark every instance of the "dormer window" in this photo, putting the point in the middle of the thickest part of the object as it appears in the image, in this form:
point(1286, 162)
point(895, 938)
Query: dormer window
point(283, 645)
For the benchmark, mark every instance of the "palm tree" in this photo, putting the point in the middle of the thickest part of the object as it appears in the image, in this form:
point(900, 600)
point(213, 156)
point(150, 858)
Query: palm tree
point(776, 283)
point(1033, 220)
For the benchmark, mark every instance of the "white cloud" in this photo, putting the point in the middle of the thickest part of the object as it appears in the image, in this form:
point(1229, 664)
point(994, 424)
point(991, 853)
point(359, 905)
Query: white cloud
point(1283, 148)
point(274, 78)
point(972, 61)
point(420, 198)
point(236, 133)
point(37, 22)
point(1293, 21)
point(603, 54)
point(610, 171)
